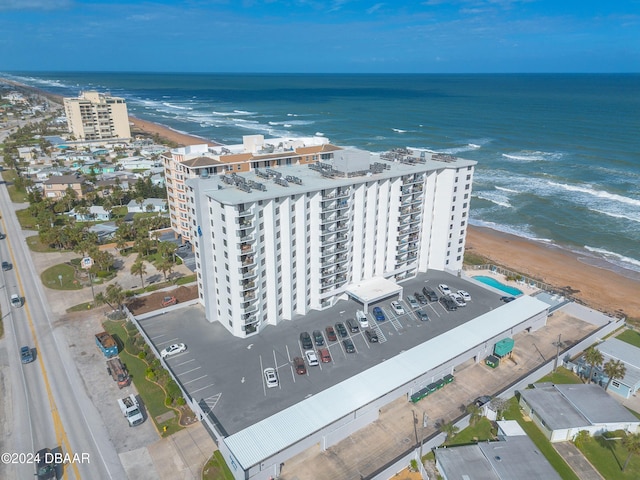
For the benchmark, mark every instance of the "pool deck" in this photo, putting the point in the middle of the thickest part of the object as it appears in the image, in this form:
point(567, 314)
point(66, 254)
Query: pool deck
point(522, 286)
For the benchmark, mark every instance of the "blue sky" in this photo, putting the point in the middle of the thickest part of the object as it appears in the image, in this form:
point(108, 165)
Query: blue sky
point(314, 36)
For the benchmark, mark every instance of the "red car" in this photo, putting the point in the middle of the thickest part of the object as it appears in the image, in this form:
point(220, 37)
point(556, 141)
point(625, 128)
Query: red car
point(301, 368)
point(331, 334)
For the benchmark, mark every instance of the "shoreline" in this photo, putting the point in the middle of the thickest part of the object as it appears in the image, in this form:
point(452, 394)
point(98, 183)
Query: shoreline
point(597, 286)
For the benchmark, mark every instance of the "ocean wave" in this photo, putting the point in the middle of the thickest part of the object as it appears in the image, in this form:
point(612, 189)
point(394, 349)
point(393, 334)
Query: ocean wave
point(614, 256)
point(624, 216)
point(521, 231)
point(397, 130)
point(533, 156)
point(179, 107)
point(319, 134)
point(598, 193)
point(455, 150)
point(505, 189)
point(496, 199)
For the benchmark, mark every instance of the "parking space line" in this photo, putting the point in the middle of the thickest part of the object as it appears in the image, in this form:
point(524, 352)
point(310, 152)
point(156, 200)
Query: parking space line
point(189, 371)
point(381, 337)
point(288, 353)
point(199, 389)
point(199, 378)
point(184, 363)
point(158, 336)
point(173, 340)
point(216, 397)
point(264, 388)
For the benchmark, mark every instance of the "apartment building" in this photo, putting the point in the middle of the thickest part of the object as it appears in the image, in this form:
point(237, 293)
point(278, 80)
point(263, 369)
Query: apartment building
point(273, 243)
point(96, 116)
point(181, 164)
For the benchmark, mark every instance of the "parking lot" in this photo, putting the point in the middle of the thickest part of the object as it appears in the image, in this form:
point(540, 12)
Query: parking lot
point(226, 372)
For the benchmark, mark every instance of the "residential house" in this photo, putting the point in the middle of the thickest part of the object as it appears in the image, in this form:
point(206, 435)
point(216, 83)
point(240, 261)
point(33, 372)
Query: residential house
point(157, 205)
point(96, 214)
point(56, 186)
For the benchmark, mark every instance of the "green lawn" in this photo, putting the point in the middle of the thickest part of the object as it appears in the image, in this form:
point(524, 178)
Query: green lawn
point(479, 432)
point(630, 336)
point(545, 447)
point(608, 457)
point(51, 278)
point(27, 221)
point(560, 376)
point(216, 468)
point(35, 245)
point(151, 394)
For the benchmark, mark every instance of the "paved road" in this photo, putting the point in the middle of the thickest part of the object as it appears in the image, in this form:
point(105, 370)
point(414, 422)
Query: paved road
point(48, 405)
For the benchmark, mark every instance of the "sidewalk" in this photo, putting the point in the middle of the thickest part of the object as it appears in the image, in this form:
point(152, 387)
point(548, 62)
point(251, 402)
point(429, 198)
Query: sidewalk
point(577, 461)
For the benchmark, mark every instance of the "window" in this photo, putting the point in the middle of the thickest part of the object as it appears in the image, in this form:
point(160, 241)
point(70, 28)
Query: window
point(615, 384)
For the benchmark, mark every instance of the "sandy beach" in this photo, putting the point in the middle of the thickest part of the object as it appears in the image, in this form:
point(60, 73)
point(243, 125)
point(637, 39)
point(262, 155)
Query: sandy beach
point(601, 289)
point(181, 139)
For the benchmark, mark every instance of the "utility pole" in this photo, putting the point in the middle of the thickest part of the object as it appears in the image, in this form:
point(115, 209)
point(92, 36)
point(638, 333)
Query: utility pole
point(555, 364)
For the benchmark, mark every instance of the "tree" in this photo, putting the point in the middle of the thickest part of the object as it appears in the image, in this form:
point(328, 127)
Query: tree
point(475, 413)
point(139, 268)
point(114, 295)
point(449, 429)
point(593, 357)
point(614, 369)
point(498, 405)
point(165, 266)
point(632, 443)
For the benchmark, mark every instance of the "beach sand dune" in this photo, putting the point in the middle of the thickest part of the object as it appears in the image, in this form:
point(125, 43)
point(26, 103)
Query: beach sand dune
point(601, 289)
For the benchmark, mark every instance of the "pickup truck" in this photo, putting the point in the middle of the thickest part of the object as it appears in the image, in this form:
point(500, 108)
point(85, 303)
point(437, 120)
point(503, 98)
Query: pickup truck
point(119, 372)
point(107, 344)
point(131, 410)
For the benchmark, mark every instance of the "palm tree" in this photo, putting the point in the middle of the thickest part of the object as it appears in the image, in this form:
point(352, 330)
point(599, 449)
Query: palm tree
point(449, 429)
point(614, 369)
point(114, 295)
point(475, 413)
point(165, 265)
point(139, 268)
point(593, 357)
point(632, 443)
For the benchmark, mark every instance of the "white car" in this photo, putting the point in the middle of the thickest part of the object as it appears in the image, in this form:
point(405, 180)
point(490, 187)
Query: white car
point(444, 289)
point(16, 301)
point(399, 309)
point(271, 377)
point(458, 299)
point(413, 303)
point(465, 295)
point(312, 358)
point(362, 319)
point(173, 350)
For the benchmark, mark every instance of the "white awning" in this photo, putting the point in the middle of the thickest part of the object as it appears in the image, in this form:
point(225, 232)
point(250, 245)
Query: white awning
point(373, 290)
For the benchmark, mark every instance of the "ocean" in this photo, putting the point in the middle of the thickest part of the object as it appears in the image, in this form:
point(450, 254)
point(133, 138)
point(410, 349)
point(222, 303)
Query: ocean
point(558, 155)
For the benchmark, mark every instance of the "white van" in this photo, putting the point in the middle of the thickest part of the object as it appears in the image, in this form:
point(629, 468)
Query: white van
point(362, 319)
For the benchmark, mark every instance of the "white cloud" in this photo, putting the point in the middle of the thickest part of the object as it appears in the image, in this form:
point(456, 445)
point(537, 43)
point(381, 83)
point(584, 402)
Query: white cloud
point(35, 4)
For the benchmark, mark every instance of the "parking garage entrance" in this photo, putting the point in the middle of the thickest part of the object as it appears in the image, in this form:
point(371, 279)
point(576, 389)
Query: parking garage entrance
point(373, 290)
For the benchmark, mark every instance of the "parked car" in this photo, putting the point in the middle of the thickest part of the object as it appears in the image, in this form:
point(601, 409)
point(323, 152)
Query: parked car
point(324, 355)
point(413, 303)
point(342, 331)
point(16, 300)
point(422, 315)
point(305, 340)
point(6, 266)
point(26, 355)
point(448, 303)
point(45, 468)
point(371, 336)
point(168, 301)
point(379, 314)
point(2, 236)
point(301, 368)
point(271, 377)
point(362, 319)
point(173, 350)
point(464, 295)
point(458, 299)
point(507, 299)
point(398, 308)
point(348, 345)
point(353, 325)
point(312, 358)
point(318, 338)
point(331, 334)
point(422, 300)
point(431, 295)
point(480, 401)
point(444, 289)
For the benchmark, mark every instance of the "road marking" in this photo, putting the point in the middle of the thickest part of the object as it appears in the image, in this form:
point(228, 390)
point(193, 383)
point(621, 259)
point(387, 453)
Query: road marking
point(191, 381)
point(184, 363)
point(189, 371)
point(249, 346)
point(242, 380)
point(203, 388)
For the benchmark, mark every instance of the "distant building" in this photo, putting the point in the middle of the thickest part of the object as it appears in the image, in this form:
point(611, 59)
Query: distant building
point(96, 116)
point(148, 205)
point(562, 411)
point(56, 186)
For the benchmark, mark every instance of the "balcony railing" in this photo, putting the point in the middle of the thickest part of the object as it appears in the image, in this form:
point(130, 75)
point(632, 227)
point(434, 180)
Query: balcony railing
point(341, 227)
point(248, 273)
point(245, 213)
point(245, 286)
point(327, 252)
point(248, 262)
point(246, 248)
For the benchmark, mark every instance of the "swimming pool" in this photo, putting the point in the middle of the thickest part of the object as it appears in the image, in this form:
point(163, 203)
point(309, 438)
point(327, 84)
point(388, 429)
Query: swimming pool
point(492, 282)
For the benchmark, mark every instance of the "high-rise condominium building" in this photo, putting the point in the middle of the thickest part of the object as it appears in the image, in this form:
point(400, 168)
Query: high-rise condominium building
point(96, 116)
point(274, 242)
point(194, 161)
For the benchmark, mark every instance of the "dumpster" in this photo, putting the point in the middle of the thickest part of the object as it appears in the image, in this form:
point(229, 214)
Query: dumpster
point(492, 361)
point(503, 348)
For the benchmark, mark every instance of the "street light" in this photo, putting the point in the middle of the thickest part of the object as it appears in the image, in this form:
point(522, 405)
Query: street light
point(60, 278)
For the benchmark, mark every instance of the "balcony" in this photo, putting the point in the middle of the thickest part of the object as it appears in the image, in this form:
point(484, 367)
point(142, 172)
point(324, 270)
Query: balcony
point(337, 194)
point(328, 261)
point(342, 227)
point(249, 296)
point(251, 319)
point(246, 238)
point(341, 259)
point(246, 273)
point(327, 252)
point(341, 280)
point(245, 213)
point(412, 256)
point(416, 200)
point(250, 307)
point(412, 247)
point(249, 262)
point(328, 231)
point(328, 272)
point(328, 219)
point(405, 191)
point(341, 218)
point(414, 219)
point(246, 249)
point(243, 223)
point(247, 285)
point(342, 250)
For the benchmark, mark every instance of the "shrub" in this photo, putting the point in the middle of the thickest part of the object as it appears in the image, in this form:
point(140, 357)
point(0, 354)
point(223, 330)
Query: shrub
point(414, 465)
point(168, 401)
point(181, 401)
point(142, 355)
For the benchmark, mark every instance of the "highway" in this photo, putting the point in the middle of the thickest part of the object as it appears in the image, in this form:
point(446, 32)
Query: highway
point(44, 403)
